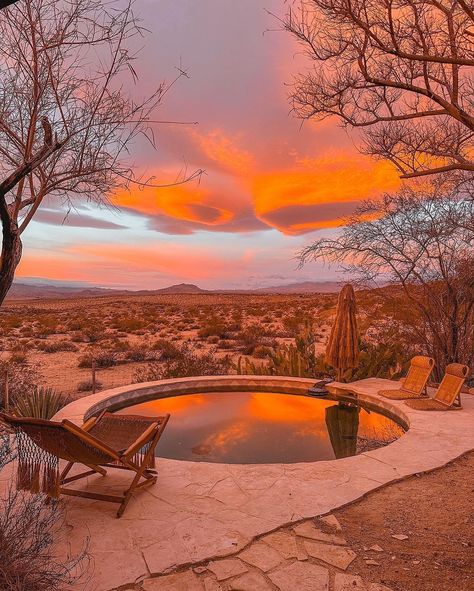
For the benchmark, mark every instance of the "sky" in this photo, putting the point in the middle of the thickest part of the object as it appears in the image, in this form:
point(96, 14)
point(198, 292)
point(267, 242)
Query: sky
point(271, 185)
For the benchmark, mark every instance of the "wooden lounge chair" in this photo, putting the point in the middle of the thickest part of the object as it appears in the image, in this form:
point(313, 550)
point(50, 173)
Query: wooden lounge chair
point(448, 394)
point(126, 442)
point(414, 384)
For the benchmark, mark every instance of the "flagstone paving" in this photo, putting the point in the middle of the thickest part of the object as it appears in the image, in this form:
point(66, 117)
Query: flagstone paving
point(293, 566)
point(200, 514)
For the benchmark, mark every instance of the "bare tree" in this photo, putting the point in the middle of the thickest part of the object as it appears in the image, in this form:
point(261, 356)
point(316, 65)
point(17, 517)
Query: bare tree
point(400, 71)
point(66, 122)
point(421, 243)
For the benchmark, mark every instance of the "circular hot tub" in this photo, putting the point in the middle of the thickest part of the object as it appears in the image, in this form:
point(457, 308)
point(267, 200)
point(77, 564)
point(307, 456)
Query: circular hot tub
point(265, 427)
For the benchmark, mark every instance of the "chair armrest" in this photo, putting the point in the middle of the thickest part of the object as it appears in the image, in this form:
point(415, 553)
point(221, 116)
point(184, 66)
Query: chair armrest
point(142, 440)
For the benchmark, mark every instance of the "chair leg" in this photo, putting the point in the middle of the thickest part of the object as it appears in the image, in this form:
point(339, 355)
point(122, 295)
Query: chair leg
point(141, 472)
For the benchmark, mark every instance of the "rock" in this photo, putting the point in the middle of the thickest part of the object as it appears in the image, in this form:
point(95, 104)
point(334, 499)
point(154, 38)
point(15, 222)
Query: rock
point(309, 530)
point(400, 536)
point(177, 582)
point(334, 555)
point(227, 568)
point(376, 548)
point(343, 582)
point(211, 585)
point(300, 576)
point(253, 581)
point(261, 555)
point(200, 569)
point(332, 522)
point(301, 554)
point(282, 542)
point(372, 562)
point(416, 561)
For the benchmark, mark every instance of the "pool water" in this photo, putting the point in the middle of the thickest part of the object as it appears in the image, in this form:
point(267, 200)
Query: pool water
point(257, 428)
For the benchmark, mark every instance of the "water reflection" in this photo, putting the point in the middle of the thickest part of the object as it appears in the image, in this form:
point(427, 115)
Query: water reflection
point(263, 428)
point(342, 422)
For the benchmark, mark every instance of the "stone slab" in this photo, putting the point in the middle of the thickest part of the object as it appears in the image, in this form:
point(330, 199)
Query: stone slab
point(186, 581)
point(225, 569)
point(330, 554)
point(252, 581)
point(301, 576)
point(262, 556)
point(309, 530)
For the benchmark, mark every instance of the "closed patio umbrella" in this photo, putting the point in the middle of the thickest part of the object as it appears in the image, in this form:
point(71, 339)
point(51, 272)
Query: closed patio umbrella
point(342, 351)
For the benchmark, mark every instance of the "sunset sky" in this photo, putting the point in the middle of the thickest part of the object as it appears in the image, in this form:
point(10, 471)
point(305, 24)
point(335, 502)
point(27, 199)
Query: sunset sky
point(271, 186)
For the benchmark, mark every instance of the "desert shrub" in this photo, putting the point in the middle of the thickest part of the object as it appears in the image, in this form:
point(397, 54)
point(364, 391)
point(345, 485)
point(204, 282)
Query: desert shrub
point(29, 530)
point(213, 327)
point(129, 324)
point(213, 339)
point(292, 323)
point(46, 325)
point(261, 351)
point(18, 357)
point(56, 346)
point(253, 336)
point(88, 386)
point(381, 360)
point(21, 379)
point(298, 359)
point(39, 403)
point(101, 358)
point(137, 353)
point(166, 349)
point(188, 363)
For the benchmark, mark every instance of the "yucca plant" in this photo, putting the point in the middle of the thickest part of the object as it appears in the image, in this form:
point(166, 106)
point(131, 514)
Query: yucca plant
point(40, 403)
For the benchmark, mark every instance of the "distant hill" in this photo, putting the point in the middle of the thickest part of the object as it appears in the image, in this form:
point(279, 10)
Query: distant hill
point(38, 291)
point(180, 288)
point(304, 287)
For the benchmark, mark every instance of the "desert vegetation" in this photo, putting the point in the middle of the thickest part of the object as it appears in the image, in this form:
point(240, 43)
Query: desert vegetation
point(113, 342)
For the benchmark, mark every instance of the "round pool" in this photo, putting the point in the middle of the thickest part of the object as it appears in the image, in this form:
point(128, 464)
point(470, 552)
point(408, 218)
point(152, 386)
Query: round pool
point(265, 428)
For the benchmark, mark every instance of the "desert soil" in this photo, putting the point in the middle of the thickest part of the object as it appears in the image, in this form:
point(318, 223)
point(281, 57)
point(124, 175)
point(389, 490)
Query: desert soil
point(435, 511)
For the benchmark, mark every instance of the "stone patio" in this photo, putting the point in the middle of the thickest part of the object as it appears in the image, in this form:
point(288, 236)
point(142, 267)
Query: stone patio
point(198, 513)
point(287, 560)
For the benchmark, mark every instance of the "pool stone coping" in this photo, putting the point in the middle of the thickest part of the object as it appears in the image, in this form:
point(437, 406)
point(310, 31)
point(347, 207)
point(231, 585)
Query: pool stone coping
point(202, 511)
point(125, 396)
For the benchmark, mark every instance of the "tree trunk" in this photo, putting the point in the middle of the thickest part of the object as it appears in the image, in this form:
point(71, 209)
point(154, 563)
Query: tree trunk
point(11, 251)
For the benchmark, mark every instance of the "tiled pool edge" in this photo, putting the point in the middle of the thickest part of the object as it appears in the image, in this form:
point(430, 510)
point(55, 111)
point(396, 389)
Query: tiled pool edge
point(285, 494)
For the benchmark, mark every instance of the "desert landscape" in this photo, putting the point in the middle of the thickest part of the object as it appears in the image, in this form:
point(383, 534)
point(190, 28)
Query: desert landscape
point(129, 337)
point(236, 295)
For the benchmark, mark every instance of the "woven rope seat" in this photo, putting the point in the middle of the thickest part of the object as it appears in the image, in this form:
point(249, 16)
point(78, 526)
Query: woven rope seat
point(448, 394)
point(429, 404)
point(414, 384)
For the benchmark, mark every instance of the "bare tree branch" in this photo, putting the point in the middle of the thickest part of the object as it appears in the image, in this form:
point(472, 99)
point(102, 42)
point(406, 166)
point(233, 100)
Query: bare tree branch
point(401, 70)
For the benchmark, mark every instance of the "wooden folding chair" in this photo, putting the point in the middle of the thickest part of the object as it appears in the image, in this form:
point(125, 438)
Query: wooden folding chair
point(125, 442)
point(414, 384)
point(448, 394)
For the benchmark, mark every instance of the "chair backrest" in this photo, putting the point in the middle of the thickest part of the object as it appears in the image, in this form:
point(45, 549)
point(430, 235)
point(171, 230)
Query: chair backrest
point(451, 384)
point(418, 374)
point(57, 440)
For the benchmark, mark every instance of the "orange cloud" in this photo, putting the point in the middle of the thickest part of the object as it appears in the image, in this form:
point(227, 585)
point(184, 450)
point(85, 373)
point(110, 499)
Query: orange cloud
point(317, 195)
point(224, 150)
point(192, 204)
